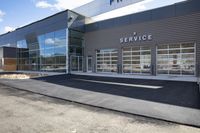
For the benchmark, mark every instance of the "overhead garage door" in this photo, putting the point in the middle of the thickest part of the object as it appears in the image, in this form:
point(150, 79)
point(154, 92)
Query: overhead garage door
point(176, 59)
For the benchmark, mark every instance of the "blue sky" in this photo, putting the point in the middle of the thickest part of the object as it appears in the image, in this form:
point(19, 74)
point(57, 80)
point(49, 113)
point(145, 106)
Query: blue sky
point(20, 12)
point(17, 13)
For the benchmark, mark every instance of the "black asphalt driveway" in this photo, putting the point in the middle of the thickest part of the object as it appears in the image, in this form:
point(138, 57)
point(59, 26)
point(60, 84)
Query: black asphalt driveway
point(177, 93)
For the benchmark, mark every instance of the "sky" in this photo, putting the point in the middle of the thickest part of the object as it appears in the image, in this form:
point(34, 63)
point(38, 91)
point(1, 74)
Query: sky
point(17, 13)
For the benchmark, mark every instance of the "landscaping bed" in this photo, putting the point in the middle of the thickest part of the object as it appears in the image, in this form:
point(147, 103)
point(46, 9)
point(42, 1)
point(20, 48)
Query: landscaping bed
point(10, 75)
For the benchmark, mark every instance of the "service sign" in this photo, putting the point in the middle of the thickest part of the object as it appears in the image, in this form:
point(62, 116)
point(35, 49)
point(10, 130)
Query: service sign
point(135, 38)
point(97, 7)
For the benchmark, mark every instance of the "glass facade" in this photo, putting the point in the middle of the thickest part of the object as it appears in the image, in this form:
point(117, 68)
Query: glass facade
point(106, 60)
point(136, 60)
point(52, 51)
point(47, 53)
point(75, 42)
point(176, 59)
point(22, 55)
point(76, 50)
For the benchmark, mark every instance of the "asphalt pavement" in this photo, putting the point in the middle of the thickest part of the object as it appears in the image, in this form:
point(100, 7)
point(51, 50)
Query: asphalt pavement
point(166, 100)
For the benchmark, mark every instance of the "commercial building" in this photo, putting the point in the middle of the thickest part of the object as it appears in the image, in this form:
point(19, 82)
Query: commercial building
point(162, 41)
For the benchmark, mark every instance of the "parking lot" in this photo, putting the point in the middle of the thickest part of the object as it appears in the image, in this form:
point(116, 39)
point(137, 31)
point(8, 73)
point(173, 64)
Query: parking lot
point(22, 112)
point(184, 94)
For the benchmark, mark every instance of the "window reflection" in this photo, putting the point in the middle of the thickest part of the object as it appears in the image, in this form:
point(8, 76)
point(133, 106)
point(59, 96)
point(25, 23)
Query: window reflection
point(107, 60)
point(60, 51)
point(22, 44)
point(76, 50)
point(176, 59)
point(136, 60)
point(49, 40)
point(48, 54)
point(41, 40)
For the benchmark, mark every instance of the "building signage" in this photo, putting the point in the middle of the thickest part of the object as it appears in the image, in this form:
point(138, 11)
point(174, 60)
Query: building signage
point(103, 6)
point(111, 1)
point(136, 38)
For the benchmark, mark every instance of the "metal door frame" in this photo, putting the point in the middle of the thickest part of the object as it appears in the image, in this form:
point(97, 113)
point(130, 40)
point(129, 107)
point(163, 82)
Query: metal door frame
point(77, 62)
point(89, 57)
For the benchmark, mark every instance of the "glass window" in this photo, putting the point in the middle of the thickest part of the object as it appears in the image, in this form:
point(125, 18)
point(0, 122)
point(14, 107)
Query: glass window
point(76, 63)
point(187, 45)
point(163, 47)
point(50, 60)
point(60, 51)
point(174, 46)
point(60, 59)
point(188, 50)
point(41, 40)
point(127, 49)
point(79, 51)
point(138, 62)
point(48, 53)
point(75, 42)
point(180, 59)
point(60, 38)
point(22, 44)
point(42, 52)
point(75, 34)
point(176, 51)
point(49, 40)
point(61, 34)
point(107, 60)
point(59, 68)
point(60, 42)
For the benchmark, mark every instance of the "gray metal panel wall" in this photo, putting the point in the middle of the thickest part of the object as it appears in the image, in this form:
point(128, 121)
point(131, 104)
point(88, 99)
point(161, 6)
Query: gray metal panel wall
point(187, 7)
point(179, 9)
point(171, 30)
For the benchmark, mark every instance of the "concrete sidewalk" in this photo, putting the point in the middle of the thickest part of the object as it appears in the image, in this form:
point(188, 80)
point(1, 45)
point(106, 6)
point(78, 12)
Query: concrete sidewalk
point(162, 111)
point(158, 77)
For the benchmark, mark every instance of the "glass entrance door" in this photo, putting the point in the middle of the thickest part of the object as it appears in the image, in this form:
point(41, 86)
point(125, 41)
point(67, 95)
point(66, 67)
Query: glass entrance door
point(76, 63)
point(89, 64)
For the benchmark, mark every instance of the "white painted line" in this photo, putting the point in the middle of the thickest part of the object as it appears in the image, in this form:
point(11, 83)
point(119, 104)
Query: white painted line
point(122, 84)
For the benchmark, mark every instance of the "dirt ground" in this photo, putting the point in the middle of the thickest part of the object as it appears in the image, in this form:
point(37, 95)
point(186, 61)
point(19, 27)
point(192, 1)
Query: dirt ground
point(25, 112)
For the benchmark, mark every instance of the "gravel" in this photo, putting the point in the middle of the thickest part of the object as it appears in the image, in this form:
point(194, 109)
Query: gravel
point(25, 112)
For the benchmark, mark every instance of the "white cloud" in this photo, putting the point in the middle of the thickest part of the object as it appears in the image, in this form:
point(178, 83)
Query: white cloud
point(61, 4)
point(49, 41)
point(1, 15)
point(8, 29)
point(43, 4)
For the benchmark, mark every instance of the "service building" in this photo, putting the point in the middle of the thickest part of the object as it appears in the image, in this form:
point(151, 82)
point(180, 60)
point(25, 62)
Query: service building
point(162, 41)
